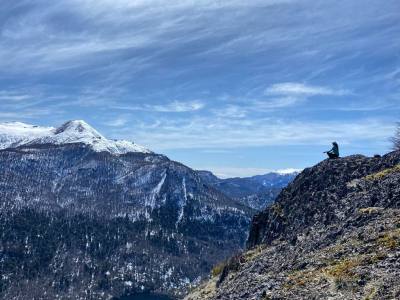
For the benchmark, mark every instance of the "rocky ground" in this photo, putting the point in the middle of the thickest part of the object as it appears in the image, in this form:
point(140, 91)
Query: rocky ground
point(333, 234)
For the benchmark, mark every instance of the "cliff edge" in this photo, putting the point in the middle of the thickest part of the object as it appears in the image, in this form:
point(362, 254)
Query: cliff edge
point(334, 233)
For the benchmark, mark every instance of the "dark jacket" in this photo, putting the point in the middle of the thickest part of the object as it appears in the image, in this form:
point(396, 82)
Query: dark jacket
point(334, 150)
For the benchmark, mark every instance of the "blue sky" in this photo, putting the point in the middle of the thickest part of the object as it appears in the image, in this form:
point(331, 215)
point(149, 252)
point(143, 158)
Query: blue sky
point(237, 87)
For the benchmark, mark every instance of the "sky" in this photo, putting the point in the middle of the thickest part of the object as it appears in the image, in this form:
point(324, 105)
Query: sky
point(236, 87)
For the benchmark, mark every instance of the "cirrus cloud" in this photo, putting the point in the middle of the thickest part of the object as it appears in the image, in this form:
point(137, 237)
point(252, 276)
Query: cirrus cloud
point(300, 89)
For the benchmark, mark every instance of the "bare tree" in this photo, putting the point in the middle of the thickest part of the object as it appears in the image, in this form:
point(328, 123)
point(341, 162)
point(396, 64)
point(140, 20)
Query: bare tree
point(396, 138)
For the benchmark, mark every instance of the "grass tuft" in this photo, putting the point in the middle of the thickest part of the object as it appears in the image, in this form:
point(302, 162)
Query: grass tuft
point(390, 240)
point(370, 210)
point(217, 269)
point(382, 174)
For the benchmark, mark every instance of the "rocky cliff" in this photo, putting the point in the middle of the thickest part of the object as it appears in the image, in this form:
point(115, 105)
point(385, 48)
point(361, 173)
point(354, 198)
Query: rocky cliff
point(334, 233)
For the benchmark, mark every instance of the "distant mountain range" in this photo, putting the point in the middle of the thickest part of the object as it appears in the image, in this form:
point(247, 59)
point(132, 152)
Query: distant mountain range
point(256, 191)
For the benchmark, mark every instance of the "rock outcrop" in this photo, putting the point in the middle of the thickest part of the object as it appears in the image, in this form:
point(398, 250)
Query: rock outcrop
point(334, 233)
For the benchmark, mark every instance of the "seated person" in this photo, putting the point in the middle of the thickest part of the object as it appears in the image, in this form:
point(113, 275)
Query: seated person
point(334, 152)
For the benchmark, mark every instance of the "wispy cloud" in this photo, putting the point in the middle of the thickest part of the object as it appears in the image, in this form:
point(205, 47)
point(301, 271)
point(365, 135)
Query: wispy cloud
point(300, 89)
point(177, 106)
point(231, 133)
point(246, 107)
point(171, 107)
point(116, 122)
point(275, 103)
point(30, 114)
point(231, 111)
point(13, 96)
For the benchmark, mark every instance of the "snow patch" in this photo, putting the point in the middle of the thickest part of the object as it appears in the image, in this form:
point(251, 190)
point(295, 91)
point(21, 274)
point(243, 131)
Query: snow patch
point(288, 171)
point(128, 283)
point(157, 189)
point(182, 204)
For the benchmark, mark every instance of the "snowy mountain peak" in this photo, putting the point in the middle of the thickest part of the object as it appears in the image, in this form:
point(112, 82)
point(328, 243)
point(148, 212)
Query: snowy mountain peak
point(76, 131)
point(14, 134)
point(288, 171)
point(77, 127)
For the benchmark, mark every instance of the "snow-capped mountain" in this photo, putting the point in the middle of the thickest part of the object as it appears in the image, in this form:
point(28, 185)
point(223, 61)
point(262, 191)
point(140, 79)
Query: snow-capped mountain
point(14, 134)
point(83, 216)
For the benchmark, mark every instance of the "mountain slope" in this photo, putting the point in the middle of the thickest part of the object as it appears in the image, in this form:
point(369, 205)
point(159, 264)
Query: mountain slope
point(332, 234)
point(80, 223)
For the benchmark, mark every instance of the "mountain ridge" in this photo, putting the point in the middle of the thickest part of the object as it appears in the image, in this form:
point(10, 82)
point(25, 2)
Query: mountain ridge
point(333, 233)
point(256, 191)
point(14, 134)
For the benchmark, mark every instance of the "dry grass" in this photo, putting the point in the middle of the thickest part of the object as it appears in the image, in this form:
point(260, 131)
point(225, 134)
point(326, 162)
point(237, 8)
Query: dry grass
point(344, 272)
point(343, 269)
point(204, 291)
point(382, 174)
point(217, 270)
point(277, 209)
point(390, 239)
point(370, 210)
point(301, 278)
point(253, 253)
point(373, 259)
point(371, 295)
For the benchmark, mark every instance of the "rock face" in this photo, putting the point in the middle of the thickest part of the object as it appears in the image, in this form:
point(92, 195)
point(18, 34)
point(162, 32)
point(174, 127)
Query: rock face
point(318, 197)
point(77, 222)
point(334, 233)
point(256, 191)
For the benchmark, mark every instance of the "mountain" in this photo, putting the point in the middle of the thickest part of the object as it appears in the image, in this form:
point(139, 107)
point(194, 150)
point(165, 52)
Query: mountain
point(14, 134)
point(256, 191)
point(84, 217)
point(333, 233)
